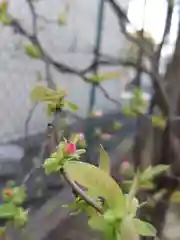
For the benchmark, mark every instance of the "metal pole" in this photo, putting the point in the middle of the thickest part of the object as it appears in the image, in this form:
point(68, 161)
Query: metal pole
point(97, 50)
point(89, 132)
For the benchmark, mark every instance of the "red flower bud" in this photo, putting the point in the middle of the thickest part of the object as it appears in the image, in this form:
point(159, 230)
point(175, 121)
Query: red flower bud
point(9, 192)
point(71, 148)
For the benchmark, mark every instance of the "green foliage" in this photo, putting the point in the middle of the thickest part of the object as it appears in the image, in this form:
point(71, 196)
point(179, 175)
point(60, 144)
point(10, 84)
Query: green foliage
point(104, 162)
point(32, 51)
point(152, 172)
point(76, 138)
point(20, 218)
point(4, 18)
point(99, 78)
point(127, 111)
point(53, 98)
point(11, 209)
point(137, 104)
point(143, 228)
point(8, 211)
point(175, 198)
point(57, 159)
point(71, 105)
point(82, 143)
point(118, 220)
point(99, 183)
point(159, 121)
point(63, 19)
point(146, 177)
point(117, 125)
point(18, 195)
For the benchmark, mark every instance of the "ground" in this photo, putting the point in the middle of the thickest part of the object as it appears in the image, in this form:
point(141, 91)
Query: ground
point(74, 228)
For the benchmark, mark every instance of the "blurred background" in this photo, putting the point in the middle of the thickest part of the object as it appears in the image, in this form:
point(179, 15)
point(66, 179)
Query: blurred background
point(131, 43)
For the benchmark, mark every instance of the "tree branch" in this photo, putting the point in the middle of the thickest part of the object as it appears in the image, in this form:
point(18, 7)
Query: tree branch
point(123, 20)
point(81, 193)
point(157, 54)
point(166, 29)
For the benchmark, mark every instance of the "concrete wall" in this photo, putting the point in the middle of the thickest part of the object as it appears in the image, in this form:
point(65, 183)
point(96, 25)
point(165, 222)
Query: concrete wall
point(70, 44)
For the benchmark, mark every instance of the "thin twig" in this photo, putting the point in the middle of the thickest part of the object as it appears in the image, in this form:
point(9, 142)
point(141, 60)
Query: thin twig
point(34, 17)
point(80, 192)
point(49, 60)
point(28, 119)
point(123, 20)
point(107, 96)
point(46, 20)
point(40, 158)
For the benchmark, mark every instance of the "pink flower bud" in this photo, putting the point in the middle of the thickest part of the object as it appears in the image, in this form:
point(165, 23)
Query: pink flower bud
point(125, 165)
point(71, 148)
point(98, 113)
point(81, 136)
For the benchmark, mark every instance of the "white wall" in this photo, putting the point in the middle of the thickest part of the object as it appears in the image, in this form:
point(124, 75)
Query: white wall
point(17, 71)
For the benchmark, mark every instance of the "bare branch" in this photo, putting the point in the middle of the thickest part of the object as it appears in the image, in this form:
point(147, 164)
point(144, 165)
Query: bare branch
point(34, 17)
point(108, 96)
point(123, 20)
point(46, 20)
point(157, 54)
point(166, 29)
point(28, 119)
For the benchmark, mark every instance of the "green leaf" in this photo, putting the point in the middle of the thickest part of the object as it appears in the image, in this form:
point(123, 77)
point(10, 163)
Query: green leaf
point(98, 223)
point(71, 105)
point(32, 51)
point(19, 195)
point(127, 111)
point(110, 216)
point(3, 7)
point(8, 211)
point(152, 172)
point(127, 229)
point(62, 20)
point(134, 186)
point(98, 78)
point(21, 217)
point(159, 121)
point(117, 125)
point(97, 181)
point(104, 161)
point(80, 151)
point(5, 19)
point(144, 228)
point(146, 175)
point(175, 197)
point(137, 103)
point(147, 185)
point(161, 168)
point(51, 165)
point(131, 205)
point(41, 93)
